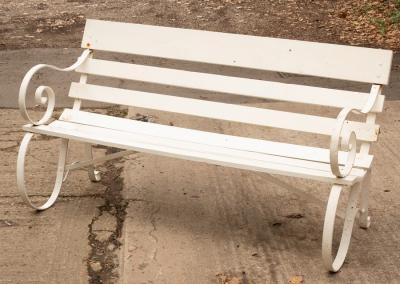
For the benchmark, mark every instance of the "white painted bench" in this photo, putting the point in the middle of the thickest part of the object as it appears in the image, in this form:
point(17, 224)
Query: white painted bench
point(339, 164)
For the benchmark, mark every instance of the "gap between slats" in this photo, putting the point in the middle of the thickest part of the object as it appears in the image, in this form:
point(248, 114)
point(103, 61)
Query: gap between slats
point(230, 85)
point(129, 141)
point(334, 61)
point(223, 111)
point(209, 138)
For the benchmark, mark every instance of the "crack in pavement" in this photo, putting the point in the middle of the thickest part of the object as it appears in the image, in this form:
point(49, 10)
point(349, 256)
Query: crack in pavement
point(151, 232)
point(102, 262)
point(103, 258)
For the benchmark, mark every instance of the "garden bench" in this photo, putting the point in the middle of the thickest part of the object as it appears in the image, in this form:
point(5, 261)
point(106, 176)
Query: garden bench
point(344, 163)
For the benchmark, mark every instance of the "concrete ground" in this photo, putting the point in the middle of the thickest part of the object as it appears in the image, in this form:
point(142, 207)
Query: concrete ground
point(160, 220)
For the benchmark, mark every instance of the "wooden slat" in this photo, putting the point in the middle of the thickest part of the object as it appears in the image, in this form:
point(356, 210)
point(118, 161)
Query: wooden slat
point(230, 85)
point(218, 156)
point(262, 53)
point(217, 110)
point(174, 133)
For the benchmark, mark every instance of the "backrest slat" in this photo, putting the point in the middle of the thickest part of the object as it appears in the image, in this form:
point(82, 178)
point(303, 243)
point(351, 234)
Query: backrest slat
point(217, 110)
point(230, 85)
point(261, 53)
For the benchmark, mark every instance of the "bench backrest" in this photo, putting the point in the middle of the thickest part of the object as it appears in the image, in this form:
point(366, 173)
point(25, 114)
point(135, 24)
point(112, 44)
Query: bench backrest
point(221, 49)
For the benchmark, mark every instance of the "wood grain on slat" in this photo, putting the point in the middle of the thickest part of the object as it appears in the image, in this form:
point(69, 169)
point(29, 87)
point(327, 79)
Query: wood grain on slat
point(262, 53)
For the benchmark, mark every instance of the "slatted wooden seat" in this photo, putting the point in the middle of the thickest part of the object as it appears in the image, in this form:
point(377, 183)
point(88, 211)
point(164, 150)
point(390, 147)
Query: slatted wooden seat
point(341, 163)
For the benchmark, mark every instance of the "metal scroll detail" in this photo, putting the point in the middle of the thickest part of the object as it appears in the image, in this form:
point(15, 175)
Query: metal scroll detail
point(43, 94)
point(21, 172)
point(347, 140)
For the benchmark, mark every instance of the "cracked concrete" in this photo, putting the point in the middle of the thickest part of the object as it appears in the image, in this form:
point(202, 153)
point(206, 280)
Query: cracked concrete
point(200, 223)
point(105, 231)
point(106, 226)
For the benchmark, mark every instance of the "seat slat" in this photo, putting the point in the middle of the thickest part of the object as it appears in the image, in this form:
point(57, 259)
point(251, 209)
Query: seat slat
point(174, 133)
point(204, 147)
point(218, 156)
point(217, 110)
point(230, 85)
point(262, 53)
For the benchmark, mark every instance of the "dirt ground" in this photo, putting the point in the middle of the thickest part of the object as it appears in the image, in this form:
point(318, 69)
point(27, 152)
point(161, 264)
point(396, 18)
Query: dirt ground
point(59, 23)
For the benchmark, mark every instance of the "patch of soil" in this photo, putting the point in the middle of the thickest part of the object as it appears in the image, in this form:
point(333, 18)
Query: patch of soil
point(102, 262)
point(369, 23)
point(60, 23)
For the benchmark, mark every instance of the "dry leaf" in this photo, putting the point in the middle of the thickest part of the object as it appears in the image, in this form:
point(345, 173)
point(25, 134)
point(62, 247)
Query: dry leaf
point(234, 280)
point(222, 278)
point(298, 279)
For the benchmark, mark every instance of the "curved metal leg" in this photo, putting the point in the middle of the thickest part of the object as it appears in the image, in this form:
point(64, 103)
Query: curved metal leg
point(365, 220)
point(94, 175)
point(331, 264)
point(21, 172)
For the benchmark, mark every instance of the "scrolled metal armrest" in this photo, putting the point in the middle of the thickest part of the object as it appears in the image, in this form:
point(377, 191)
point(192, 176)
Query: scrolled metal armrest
point(43, 94)
point(346, 142)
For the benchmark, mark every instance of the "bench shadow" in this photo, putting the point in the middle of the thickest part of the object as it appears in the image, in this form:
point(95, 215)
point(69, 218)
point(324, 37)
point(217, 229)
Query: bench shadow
point(268, 222)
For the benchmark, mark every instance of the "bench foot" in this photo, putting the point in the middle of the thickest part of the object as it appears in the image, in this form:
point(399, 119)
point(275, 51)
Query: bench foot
point(94, 175)
point(335, 264)
point(21, 172)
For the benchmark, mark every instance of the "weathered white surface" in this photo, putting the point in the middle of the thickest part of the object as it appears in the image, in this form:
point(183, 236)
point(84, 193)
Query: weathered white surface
point(235, 113)
point(198, 150)
point(210, 138)
point(15, 63)
point(299, 57)
point(229, 85)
